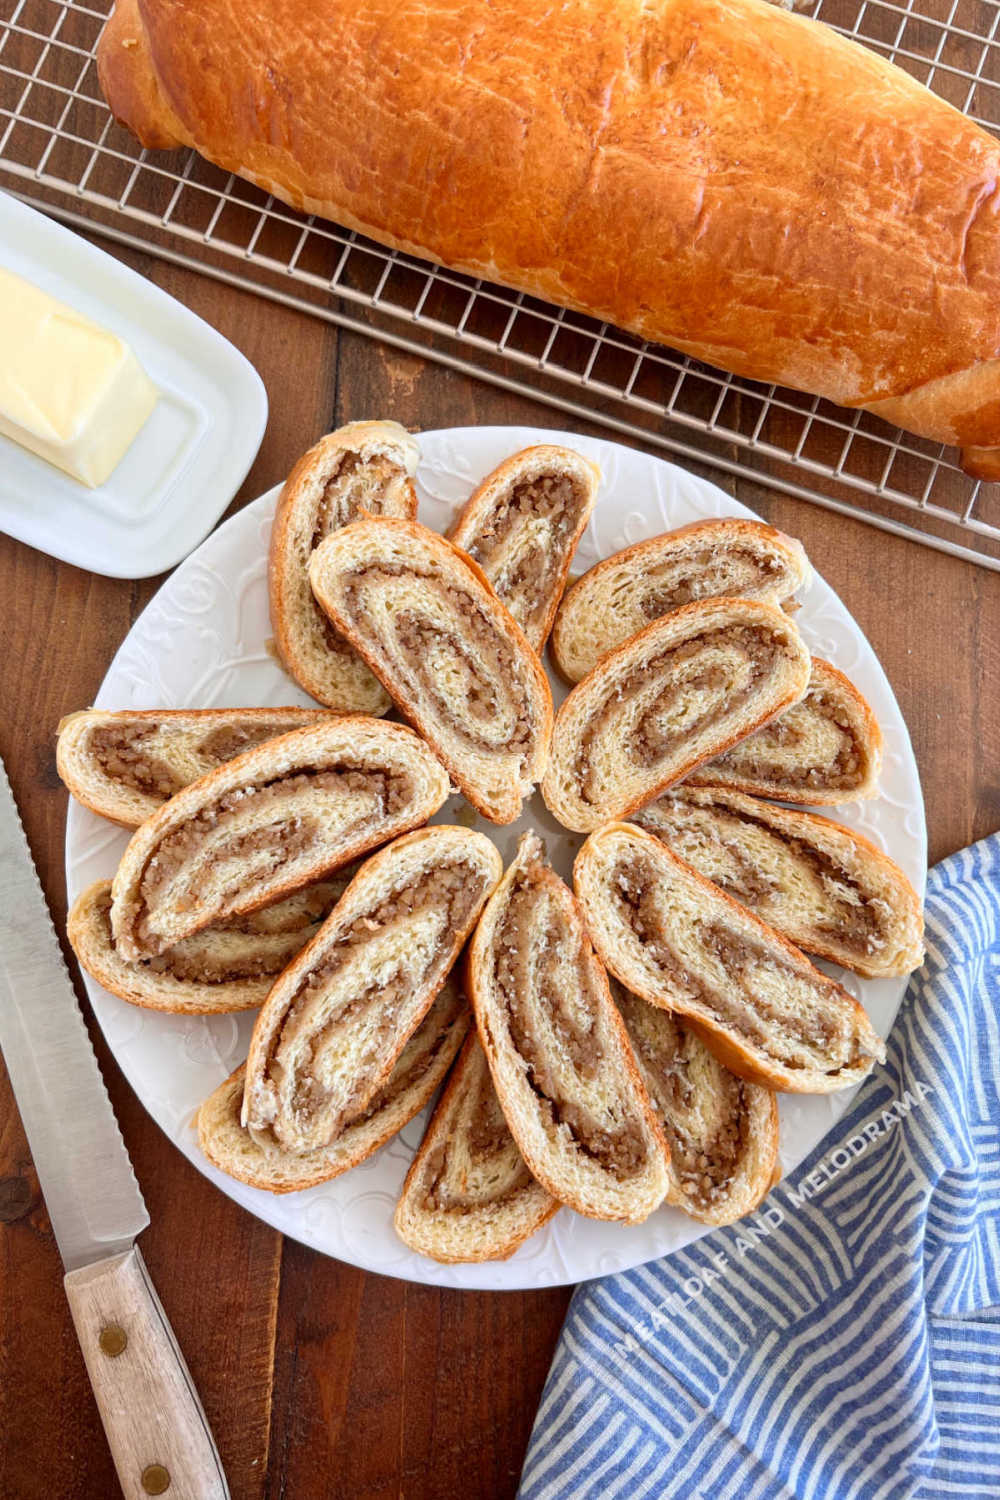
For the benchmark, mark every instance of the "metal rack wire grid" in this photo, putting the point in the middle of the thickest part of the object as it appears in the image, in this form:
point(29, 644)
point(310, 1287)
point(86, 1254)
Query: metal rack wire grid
point(60, 149)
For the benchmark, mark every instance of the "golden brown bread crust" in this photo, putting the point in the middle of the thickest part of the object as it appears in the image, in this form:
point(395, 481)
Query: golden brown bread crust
point(104, 793)
point(412, 547)
point(982, 463)
point(486, 1230)
point(743, 1060)
point(389, 455)
point(421, 1067)
point(128, 78)
point(813, 216)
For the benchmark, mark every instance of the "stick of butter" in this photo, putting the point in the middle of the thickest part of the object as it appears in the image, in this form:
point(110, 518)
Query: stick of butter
point(70, 391)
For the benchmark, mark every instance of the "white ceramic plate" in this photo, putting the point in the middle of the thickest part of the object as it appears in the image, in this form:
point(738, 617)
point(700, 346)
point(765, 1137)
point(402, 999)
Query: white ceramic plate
point(193, 453)
point(203, 641)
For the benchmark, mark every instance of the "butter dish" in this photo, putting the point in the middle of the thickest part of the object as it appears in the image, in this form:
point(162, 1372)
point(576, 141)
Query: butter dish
point(190, 456)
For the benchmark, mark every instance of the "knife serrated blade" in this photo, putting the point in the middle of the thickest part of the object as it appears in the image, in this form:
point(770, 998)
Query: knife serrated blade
point(90, 1190)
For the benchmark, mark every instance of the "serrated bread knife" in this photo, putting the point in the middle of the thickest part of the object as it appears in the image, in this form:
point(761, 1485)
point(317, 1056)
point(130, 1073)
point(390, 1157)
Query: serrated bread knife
point(159, 1436)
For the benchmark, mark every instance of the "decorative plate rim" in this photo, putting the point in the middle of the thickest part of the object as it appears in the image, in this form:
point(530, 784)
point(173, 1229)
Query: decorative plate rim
point(225, 580)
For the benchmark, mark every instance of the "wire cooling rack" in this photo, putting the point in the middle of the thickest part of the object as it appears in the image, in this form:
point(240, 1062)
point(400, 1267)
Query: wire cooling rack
point(60, 149)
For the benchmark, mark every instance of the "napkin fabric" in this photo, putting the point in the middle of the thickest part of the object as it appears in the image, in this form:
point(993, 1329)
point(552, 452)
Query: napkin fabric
point(844, 1341)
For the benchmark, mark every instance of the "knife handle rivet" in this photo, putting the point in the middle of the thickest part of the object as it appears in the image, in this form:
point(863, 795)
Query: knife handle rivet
point(155, 1479)
point(113, 1341)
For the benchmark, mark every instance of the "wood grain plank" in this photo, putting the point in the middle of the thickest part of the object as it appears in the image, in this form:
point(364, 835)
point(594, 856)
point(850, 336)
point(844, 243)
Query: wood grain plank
point(389, 1389)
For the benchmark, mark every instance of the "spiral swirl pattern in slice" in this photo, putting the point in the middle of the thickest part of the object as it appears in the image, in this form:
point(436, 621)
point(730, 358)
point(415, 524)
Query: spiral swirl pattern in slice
point(824, 750)
point(673, 696)
point(262, 1163)
point(557, 1049)
point(451, 656)
point(126, 765)
point(732, 558)
point(723, 1131)
point(824, 886)
point(339, 1016)
point(522, 525)
point(468, 1195)
point(671, 937)
point(226, 968)
point(364, 466)
point(274, 819)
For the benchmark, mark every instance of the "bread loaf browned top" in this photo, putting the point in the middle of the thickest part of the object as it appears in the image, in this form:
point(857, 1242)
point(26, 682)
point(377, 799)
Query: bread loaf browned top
point(718, 175)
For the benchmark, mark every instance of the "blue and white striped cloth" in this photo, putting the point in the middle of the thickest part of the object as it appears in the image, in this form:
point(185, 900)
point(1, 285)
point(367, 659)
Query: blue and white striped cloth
point(849, 1347)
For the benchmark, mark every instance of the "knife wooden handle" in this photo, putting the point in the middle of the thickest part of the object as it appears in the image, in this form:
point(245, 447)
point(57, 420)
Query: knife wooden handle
point(158, 1433)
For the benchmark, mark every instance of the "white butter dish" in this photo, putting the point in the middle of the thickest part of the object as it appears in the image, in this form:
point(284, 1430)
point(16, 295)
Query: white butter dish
point(188, 459)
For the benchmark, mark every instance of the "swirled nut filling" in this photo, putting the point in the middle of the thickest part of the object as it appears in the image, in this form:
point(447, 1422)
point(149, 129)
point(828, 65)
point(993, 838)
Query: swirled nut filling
point(715, 841)
point(423, 642)
point(811, 745)
point(358, 482)
point(520, 546)
point(665, 722)
point(230, 740)
point(243, 948)
point(122, 753)
point(707, 1130)
point(553, 1015)
point(420, 1053)
point(704, 573)
point(783, 1021)
point(327, 1085)
point(286, 834)
point(137, 755)
point(478, 1162)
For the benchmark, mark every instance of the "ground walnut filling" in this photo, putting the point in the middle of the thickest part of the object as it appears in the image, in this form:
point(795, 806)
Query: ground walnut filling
point(122, 753)
point(705, 1169)
point(422, 640)
point(286, 836)
point(705, 574)
point(532, 950)
point(653, 737)
point(355, 483)
point(375, 1009)
point(478, 1164)
point(256, 946)
point(760, 757)
point(857, 924)
point(419, 1054)
point(704, 1160)
point(526, 573)
point(193, 961)
point(125, 754)
point(230, 740)
point(782, 1033)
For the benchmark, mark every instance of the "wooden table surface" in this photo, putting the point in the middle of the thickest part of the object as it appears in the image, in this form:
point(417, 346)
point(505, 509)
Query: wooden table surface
point(318, 1379)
